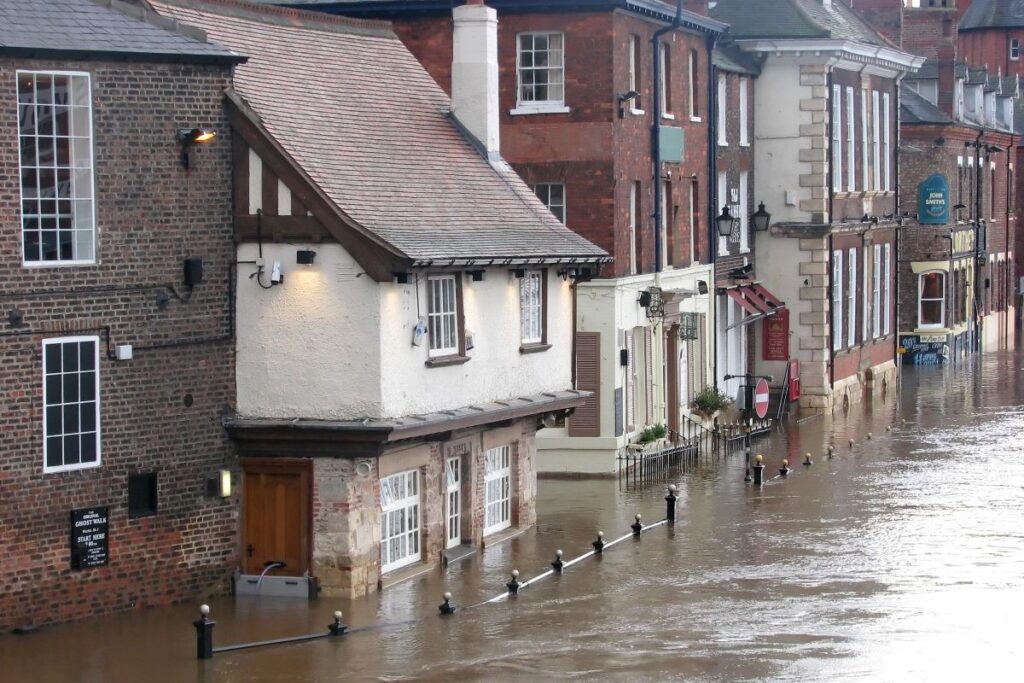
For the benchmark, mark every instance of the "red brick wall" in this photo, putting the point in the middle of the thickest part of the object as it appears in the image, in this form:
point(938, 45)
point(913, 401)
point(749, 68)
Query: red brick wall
point(151, 216)
point(991, 48)
point(733, 159)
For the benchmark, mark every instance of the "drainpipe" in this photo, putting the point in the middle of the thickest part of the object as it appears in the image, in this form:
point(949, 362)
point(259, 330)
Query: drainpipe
point(712, 190)
point(1008, 294)
point(899, 226)
point(978, 294)
point(831, 319)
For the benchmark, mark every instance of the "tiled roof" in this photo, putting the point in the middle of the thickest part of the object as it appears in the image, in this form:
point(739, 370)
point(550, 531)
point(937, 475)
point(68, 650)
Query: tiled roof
point(984, 14)
point(87, 28)
point(794, 19)
point(916, 109)
point(354, 109)
point(728, 57)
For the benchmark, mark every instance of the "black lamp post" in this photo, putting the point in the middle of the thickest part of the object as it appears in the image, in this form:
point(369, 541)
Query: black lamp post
point(761, 218)
point(725, 222)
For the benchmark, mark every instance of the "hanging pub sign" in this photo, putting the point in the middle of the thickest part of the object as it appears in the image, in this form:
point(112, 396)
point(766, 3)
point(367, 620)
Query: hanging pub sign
point(933, 200)
point(89, 538)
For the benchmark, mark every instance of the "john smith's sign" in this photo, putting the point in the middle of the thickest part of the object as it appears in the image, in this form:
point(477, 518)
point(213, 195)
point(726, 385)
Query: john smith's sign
point(933, 201)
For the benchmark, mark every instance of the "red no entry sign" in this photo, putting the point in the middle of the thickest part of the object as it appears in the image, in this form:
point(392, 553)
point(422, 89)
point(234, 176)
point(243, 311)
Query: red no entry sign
point(761, 398)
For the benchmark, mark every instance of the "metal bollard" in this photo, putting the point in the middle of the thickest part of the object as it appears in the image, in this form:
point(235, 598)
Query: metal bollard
point(831, 452)
point(758, 470)
point(557, 564)
point(784, 470)
point(807, 460)
point(513, 585)
point(870, 435)
point(599, 543)
point(337, 628)
point(851, 443)
point(670, 504)
point(447, 607)
point(637, 526)
point(204, 633)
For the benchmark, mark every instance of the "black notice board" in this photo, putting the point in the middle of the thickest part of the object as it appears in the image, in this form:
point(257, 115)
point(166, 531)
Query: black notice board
point(89, 535)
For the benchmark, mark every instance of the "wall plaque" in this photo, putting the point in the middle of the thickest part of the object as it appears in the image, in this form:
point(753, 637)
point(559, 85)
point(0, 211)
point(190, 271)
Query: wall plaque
point(776, 336)
point(89, 538)
point(933, 200)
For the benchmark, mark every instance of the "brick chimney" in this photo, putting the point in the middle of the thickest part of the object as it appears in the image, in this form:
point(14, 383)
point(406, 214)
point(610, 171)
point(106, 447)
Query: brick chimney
point(931, 31)
point(885, 16)
point(475, 72)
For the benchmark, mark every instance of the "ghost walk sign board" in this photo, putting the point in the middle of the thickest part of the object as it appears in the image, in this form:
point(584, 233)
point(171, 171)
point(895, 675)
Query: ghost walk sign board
point(89, 536)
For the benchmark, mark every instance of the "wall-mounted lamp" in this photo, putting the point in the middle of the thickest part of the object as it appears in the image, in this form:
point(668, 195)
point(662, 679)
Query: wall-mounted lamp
point(188, 137)
point(403, 278)
point(568, 273)
point(644, 299)
point(725, 222)
point(304, 257)
point(702, 287)
point(219, 486)
point(519, 273)
point(626, 97)
point(761, 218)
point(477, 275)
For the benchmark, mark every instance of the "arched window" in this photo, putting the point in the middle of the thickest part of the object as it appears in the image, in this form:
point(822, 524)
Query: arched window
point(931, 297)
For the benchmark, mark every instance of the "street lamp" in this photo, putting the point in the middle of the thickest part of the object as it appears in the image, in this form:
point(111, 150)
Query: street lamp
point(725, 222)
point(761, 218)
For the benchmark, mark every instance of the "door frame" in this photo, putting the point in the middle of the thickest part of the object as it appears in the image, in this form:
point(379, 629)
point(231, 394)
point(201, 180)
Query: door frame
point(304, 466)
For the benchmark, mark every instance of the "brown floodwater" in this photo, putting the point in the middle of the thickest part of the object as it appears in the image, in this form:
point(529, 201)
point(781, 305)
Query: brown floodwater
point(901, 559)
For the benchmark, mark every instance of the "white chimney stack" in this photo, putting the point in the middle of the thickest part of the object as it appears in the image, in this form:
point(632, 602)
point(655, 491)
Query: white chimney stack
point(475, 72)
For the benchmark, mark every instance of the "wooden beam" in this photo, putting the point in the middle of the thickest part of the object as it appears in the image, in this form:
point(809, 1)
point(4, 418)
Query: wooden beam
point(279, 229)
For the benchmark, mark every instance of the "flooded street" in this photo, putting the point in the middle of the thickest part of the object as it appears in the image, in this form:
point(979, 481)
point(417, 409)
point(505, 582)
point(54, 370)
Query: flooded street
point(902, 558)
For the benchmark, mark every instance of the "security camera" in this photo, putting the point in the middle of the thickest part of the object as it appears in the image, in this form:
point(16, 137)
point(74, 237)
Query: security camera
point(276, 276)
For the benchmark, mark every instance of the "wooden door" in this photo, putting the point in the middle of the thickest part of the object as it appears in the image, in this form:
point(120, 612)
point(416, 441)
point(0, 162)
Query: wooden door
point(276, 514)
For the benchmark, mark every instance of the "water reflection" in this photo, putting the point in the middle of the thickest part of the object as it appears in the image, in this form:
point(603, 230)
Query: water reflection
point(898, 559)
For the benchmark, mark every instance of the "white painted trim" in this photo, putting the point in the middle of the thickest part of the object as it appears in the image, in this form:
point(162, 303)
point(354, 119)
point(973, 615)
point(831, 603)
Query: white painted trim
point(539, 108)
point(99, 441)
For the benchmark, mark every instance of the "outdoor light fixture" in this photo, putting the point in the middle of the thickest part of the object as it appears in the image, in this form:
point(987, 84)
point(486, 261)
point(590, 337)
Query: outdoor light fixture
point(626, 97)
point(219, 486)
point(568, 273)
point(725, 222)
point(476, 275)
point(193, 136)
point(702, 287)
point(403, 278)
point(761, 218)
point(519, 272)
point(644, 299)
point(304, 257)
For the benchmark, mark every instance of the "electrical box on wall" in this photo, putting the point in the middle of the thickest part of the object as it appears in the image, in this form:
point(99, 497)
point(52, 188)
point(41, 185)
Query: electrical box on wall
point(123, 352)
point(193, 271)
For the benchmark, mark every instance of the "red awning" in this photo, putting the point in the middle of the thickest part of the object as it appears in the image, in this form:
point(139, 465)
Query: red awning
point(738, 297)
point(757, 301)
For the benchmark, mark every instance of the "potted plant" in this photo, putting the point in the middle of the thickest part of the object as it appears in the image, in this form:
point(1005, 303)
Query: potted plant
point(709, 401)
point(651, 437)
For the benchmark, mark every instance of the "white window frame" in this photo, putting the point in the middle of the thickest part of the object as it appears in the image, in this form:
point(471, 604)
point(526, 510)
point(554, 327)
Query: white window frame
point(837, 138)
point(920, 300)
point(531, 307)
point(887, 290)
point(876, 294)
point(634, 204)
point(876, 142)
point(62, 406)
point(80, 171)
point(446, 341)
point(744, 216)
point(692, 208)
point(723, 199)
point(886, 143)
point(453, 501)
point(744, 133)
point(497, 489)
point(634, 82)
point(838, 277)
point(399, 537)
point(851, 146)
point(692, 86)
point(864, 141)
point(534, 106)
point(543, 192)
point(664, 77)
point(865, 327)
point(721, 116)
point(1014, 49)
point(851, 296)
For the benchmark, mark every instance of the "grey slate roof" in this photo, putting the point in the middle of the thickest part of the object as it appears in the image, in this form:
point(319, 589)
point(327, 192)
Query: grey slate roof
point(727, 56)
point(983, 14)
point(916, 109)
point(94, 28)
point(794, 19)
point(358, 113)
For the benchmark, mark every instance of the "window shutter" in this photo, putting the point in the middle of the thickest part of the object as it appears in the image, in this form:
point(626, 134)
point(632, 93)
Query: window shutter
point(586, 421)
point(697, 368)
point(649, 373)
point(630, 383)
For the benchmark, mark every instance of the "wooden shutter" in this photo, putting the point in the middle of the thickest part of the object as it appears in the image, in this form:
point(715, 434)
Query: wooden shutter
point(698, 369)
point(586, 421)
point(649, 373)
point(630, 397)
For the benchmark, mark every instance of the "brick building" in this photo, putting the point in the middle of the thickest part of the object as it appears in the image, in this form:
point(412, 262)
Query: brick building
point(578, 114)
point(826, 137)
point(116, 367)
point(389, 261)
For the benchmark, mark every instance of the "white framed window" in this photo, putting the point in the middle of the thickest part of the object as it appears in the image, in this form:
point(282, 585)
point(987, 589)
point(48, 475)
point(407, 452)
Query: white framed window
point(399, 520)
point(723, 199)
point(531, 307)
point(744, 214)
point(552, 195)
point(540, 65)
point(442, 315)
point(851, 296)
point(931, 299)
point(667, 223)
point(497, 489)
point(56, 163)
point(744, 133)
point(692, 212)
point(886, 144)
point(837, 138)
point(876, 142)
point(1014, 49)
point(453, 500)
point(634, 215)
point(851, 146)
point(693, 65)
point(721, 116)
point(864, 142)
point(71, 403)
point(886, 289)
point(634, 74)
point(865, 327)
point(665, 80)
point(876, 294)
point(837, 300)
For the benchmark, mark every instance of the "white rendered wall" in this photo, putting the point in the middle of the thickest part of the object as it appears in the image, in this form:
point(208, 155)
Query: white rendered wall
point(778, 261)
point(777, 121)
